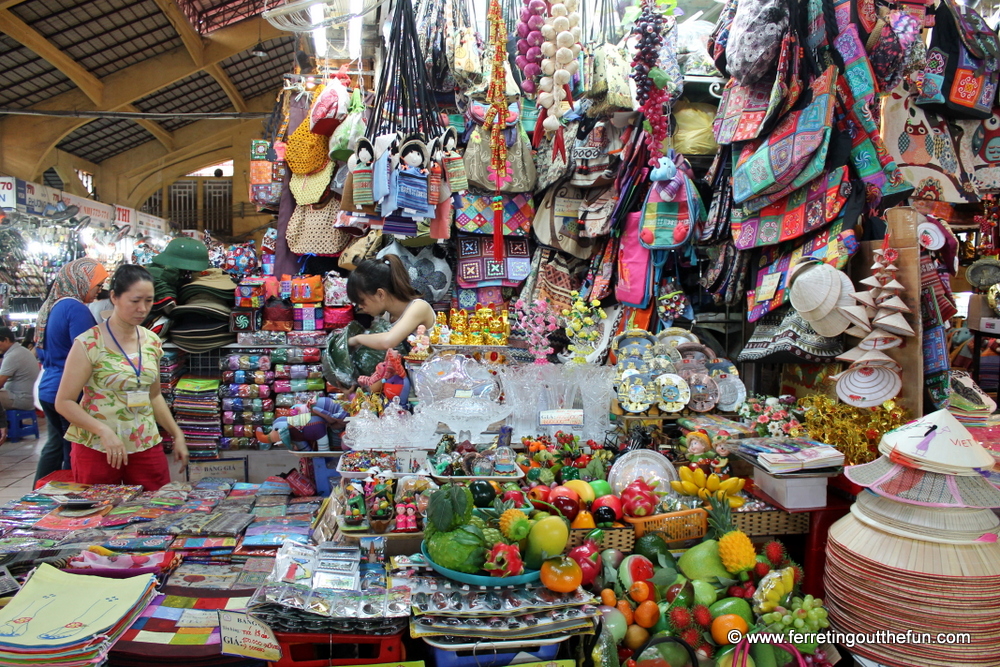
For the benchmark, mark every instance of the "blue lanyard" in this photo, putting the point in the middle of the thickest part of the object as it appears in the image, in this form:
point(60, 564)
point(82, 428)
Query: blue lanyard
point(138, 371)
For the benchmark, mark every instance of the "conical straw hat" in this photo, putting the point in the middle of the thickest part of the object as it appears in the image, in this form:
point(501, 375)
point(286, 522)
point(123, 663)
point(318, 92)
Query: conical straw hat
point(856, 332)
point(804, 264)
point(894, 303)
point(893, 285)
point(868, 386)
point(882, 312)
point(879, 339)
point(864, 297)
point(877, 358)
point(933, 524)
point(815, 291)
point(895, 323)
point(835, 323)
point(851, 355)
point(938, 439)
point(871, 311)
point(877, 266)
point(857, 315)
point(871, 281)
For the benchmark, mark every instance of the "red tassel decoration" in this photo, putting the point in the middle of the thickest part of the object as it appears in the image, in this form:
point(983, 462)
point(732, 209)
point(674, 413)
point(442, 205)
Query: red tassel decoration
point(559, 144)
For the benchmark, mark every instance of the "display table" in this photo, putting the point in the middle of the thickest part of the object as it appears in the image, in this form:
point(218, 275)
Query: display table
point(820, 519)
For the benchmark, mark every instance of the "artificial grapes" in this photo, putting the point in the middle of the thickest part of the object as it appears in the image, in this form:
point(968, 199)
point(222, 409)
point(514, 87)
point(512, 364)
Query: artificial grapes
point(805, 615)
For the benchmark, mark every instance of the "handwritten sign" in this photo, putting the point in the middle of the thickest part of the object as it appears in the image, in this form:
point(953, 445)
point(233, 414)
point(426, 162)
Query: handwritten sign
point(246, 636)
point(560, 417)
point(198, 470)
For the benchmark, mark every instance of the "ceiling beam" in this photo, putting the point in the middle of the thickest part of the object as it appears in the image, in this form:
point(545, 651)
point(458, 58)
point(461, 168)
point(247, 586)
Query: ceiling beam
point(192, 40)
point(28, 141)
point(21, 32)
point(223, 80)
point(7, 4)
point(154, 128)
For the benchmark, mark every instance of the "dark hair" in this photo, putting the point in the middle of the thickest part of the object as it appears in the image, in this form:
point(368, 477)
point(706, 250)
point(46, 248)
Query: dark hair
point(387, 273)
point(7, 334)
point(127, 275)
point(29, 337)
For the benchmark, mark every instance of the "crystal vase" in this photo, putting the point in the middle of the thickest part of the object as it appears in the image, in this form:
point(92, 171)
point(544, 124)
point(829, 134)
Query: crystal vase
point(596, 392)
point(521, 386)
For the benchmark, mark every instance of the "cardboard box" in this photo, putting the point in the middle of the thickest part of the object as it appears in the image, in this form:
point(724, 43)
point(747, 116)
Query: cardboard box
point(979, 309)
point(793, 492)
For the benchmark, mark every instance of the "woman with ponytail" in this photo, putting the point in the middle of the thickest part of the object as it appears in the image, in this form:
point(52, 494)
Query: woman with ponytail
point(382, 287)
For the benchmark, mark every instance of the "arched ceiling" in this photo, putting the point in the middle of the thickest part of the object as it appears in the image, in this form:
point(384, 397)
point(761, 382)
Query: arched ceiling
point(51, 47)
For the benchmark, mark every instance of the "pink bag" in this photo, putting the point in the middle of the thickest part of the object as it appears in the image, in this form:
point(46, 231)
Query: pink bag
point(635, 266)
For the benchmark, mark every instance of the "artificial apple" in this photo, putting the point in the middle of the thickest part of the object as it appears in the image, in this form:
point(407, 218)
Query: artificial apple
point(564, 491)
point(567, 506)
point(612, 502)
point(517, 497)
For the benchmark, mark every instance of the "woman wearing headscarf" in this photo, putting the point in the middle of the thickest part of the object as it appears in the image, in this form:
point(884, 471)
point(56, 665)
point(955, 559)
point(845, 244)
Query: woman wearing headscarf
point(63, 316)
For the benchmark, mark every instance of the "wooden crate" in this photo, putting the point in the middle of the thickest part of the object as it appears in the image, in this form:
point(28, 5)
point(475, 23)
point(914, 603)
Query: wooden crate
point(673, 526)
point(773, 522)
point(614, 538)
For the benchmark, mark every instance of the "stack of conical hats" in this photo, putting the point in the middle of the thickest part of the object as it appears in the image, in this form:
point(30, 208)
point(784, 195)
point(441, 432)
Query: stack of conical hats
point(919, 550)
point(878, 319)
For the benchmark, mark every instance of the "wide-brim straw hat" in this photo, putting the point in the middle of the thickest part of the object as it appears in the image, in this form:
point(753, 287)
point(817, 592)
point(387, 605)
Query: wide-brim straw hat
point(896, 481)
point(868, 386)
point(949, 525)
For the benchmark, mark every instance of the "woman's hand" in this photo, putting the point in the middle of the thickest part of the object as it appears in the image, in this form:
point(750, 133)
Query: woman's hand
point(114, 448)
point(180, 451)
point(352, 342)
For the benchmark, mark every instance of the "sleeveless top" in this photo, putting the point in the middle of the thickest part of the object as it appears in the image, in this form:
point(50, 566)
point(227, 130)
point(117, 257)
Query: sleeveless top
point(105, 394)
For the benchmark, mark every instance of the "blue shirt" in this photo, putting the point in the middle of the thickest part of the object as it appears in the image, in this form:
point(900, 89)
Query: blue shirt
point(68, 319)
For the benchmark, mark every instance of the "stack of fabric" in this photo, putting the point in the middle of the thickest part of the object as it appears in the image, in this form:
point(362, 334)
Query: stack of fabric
point(59, 618)
point(197, 412)
point(919, 550)
point(202, 322)
point(173, 365)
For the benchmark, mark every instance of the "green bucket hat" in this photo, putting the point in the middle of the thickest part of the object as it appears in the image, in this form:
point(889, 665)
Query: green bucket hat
point(184, 253)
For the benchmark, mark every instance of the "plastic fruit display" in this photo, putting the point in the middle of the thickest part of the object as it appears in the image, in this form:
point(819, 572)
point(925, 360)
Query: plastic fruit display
point(561, 574)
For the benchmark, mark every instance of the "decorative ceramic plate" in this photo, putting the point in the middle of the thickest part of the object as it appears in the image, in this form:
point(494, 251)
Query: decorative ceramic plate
point(667, 352)
point(661, 365)
point(680, 334)
point(732, 392)
point(673, 392)
point(696, 351)
point(634, 342)
point(704, 392)
point(629, 366)
point(634, 394)
point(721, 366)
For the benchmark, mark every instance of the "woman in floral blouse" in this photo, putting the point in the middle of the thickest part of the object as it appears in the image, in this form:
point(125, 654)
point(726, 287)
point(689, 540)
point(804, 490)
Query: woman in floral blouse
point(110, 393)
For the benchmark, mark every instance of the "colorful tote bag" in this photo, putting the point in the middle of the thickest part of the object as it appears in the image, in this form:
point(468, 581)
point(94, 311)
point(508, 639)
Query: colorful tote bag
point(795, 152)
point(960, 79)
point(670, 213)
point(635, 266)
point(476, 214)
point(833, 245)
point(477, 268)
point(804, 211)
point(747, 112)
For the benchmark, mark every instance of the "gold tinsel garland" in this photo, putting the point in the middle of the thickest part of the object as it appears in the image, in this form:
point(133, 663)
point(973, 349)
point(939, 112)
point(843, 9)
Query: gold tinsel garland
point(854, 431)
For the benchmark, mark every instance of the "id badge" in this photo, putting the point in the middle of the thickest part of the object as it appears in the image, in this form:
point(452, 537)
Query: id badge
point(138, 399)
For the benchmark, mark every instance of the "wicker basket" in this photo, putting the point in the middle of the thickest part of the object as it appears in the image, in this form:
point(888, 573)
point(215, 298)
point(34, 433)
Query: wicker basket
point(675, 526)
point(773, 522)
point(614, 538)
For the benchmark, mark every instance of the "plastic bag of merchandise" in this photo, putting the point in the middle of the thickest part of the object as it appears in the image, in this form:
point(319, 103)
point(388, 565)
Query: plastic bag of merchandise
point(341, 365)
point(694, 135)
point(344, 139)
point(692, 48)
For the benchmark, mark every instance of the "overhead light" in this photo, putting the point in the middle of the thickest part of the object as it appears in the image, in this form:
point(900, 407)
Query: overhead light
point(258, 51)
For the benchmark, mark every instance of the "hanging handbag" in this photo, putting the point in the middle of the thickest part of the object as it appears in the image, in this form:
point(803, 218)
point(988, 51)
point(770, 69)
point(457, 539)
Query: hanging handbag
point(554, 158)
point(306, 152)
point(795, 152)
point(521, 175)
point(672, 207)
point(635, 266)
point(802, 212)
point(310, 230)
point(755, 38)
point(475, 216)
point(963, 64)
point(559, 276)
point(365, 247)
point(557, 222)
point(476, 267)
point(602, 269)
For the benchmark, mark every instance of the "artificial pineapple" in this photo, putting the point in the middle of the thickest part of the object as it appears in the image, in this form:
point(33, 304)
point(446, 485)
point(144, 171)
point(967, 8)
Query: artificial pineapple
point(735, 548)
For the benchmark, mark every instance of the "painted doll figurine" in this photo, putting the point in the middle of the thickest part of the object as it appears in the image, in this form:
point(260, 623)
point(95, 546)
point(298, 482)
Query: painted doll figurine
point(401, 521)
point(363, 172)
point(420, 342)
point(454, 166)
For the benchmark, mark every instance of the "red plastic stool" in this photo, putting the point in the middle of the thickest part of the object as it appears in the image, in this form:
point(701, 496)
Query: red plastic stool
point(303, 649)
point(57, 476)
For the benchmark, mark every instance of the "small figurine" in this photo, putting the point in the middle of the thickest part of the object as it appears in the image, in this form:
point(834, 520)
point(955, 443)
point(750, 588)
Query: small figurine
point(420, 342)
point(402, 524)
point(444, 335)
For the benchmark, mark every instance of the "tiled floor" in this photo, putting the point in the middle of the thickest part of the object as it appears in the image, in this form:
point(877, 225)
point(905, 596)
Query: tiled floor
point(17, 465)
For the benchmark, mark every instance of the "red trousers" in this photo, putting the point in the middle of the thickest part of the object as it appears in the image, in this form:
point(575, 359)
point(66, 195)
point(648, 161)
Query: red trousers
point(148, 468)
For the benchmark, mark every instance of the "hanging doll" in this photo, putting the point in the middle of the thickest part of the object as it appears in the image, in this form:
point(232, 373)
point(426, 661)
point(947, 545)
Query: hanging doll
point(454, 165)
point(412, 179)
point(364, 157)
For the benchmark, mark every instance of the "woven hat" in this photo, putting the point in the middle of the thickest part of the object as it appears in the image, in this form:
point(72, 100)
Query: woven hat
point(930, 236)
point(204, 305)
point(857, 316)
point(868, 386)
point(937, 442)
point(212, 279)
point(871, 281)
point(893, 285)
point(815, 291)
point(919, 487)
point(783, 335)
point(877, 358)
point(933, 524)
point(894, 323)
point(894, 303)
point(310, 188)
point(856, 332)
point(184, 253)
point(835, 323)
point(803, 264)
point(851, 355)
point(880, 340)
